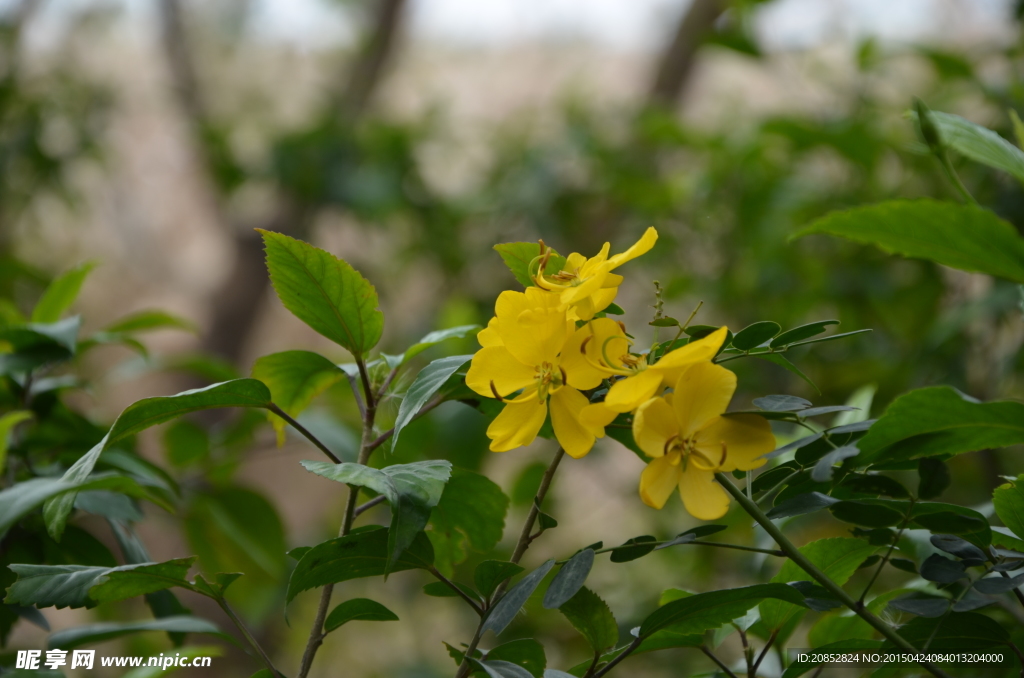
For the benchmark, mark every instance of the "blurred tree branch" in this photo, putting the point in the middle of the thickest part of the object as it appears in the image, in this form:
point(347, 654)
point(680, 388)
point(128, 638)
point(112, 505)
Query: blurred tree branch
point(676, 63)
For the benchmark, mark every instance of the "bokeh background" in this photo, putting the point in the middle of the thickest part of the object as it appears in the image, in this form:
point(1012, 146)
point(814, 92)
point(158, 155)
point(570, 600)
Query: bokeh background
point(409, 136)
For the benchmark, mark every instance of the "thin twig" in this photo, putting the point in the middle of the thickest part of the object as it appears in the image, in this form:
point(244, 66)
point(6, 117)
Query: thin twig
point(705, 650)
point(888, 554)
point(248, 636)
point(619, 657)
point(455, 587)
point(764, 651)
point(302, 429)
point(380, 499)
point(721, 545)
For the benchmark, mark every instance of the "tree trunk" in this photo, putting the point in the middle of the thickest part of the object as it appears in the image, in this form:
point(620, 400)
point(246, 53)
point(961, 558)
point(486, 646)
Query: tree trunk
point(673, 70)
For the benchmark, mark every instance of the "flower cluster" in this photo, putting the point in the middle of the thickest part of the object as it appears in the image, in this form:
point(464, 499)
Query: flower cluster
point(548, 351)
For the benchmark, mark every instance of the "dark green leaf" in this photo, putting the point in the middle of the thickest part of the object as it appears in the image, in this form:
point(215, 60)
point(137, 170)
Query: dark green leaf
point(294, 379)
point(357, 609)
point(952, 519)
point(754, 335)
point(795, 445)
point(941, 569)
point(802, 332)
point(502, 669)
point(801, 504)
point(831, 337)
point(362, 554)
point(505, 610)
point(781, 403)
point(411, 489)
point(324, 292)
point(961, 236)
point(996, 585)
point(956, 631)
point(591, 616)
point(827, 409)
point(490, 573)
point(634, 548)
point(85, 586)
point(875, 485)
point(60, 294)
point(822, 471)
point(1009, 504)
point(430, 379)
point(569, 580)
point(934, 475)
point(470, 515)
point(866, 512)
point(546, 522)
point(518, 255)
point(958, 547)
point(525, 652)
point(923, 606)
point(704, 611)
point(98, 633)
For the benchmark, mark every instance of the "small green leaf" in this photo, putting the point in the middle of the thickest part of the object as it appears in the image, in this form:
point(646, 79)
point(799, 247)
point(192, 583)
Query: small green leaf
point(941, 569)
point(357, 609)
point(357, 555)
point(7, 423)
point(704, 611)
point(754, 335)
point(324, 292)
point(569, 579)
point(664, 322)
point(294, 379)
point(98, 633)
point(546, 522)
point(802, 332)
point(637, 547)
point(145, 321)
point(866, 513)
point(979, 144)
point(966, 237)
point(84, 586)
point(822, 471)
point(490, 573)
point(427, 383)
point(1009, 504)
point(591, 616)
point(502, 669)
point(436, 337)
point(518, 255)
point(808, 502)
point(411, 489)
point(525, 652)
point(505, 610)
point(781, 403)
point(60, 294)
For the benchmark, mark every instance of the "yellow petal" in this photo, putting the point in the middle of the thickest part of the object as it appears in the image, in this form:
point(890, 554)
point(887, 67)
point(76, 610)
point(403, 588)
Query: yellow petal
point(579, 371)
point(702, 496)
point(584, 309)
point(612, 280)
point(536, 336)
point(517, 425)
point(574, 262)
point(566, 404)
point(654, 424)
point(746, 437)
point(488, 336)
point(603, 298)
point(695, 351)
point(658, 481)
point(702, 392)
point(629, 393)
point(642, 246)
point(496, 364)
point(593, 280)
point(596, 417)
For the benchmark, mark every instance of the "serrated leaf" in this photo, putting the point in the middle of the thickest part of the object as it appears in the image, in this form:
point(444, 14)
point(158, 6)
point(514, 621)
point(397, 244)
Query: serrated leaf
point(294, 379)
point(505, 610)
point(411, 489)
point(470, 516)
point(979, 143)
point(966, 237)
point(354, 556)
point(428, 382)
point(357, 609)
point(704, 611)
point(591, 616)
point(518, 255)
point(324, 292)
point(61, 294)
point(569, 580)
point(84, 586)
point(98, 633)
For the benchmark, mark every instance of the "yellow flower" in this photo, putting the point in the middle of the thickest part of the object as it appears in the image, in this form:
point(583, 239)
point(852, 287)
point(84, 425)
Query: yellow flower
point(690, 440)
point(588, 285)
point(536, 350)
point(642, 381)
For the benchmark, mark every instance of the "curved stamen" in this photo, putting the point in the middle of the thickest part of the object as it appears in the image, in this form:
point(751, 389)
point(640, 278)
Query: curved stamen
point(583, 346)
point(724, 454)
point(701, 461)
point(494, 390)
point(565, 379)
point(670, 444)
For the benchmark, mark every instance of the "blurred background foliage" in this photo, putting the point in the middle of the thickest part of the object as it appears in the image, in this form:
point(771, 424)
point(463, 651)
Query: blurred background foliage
point(155, 139)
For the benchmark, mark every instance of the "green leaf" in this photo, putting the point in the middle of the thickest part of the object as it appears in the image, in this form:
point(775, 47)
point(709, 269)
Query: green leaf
point(569, 579)
point(294, 379)
point(781, 403)
point(502, 669)
point(98, 633)
point(411, 489)
point(704, 611)
point(869, 513)
point(935, 478)
point(60, 294)
point(216, 587)
point(808, 502)
point(357, 609)
point(470, 515)
point(85, 586)
point(940, 420)
point(822, 471)
point(591, 616)
point(490, 573)
point(802, 332)
point(955, 631)
point(518, 255)
point(186, 443)
point(634, 548)
point(754, 335)
point(525, 652)
point(979, 144)
point(430, 379)
point(362, 554)
point(436, 337)
point(507, 607)
point(837, 557)
point(7, 423)
point(146, 321)
point(1009, 504)
point(324, 292)
point(966, 237)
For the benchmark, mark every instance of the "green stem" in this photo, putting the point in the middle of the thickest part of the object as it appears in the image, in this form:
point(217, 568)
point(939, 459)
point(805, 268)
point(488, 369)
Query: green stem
point(622, 655)
point(718, 662)
point(810, 568)
point(955, 178)
point(302, 429)
point(721, 545)
point(888, 554)
point(455, 587)
point(248, 636)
